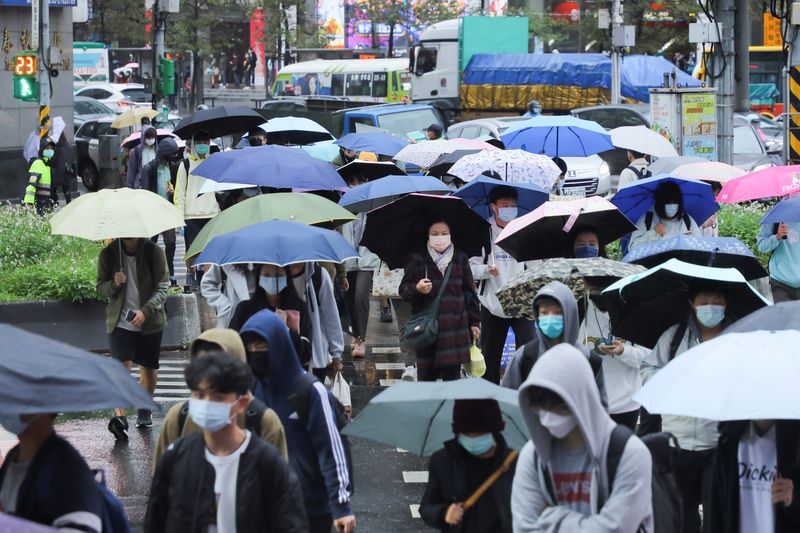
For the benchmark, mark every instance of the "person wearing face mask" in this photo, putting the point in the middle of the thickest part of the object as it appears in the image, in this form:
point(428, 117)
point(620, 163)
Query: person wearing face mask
point(491, 272)
point(225, 287)
point(585, 244)
point(222, 479)
point(141, 155)
point(666, 219)
point(45, 480)
point(697, 438)
point(458, 314)
point(465, 462)
point(562, 472)
point(39, 189)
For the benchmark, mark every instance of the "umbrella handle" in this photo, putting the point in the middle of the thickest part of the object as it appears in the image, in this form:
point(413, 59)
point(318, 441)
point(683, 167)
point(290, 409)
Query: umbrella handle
point(486, 485)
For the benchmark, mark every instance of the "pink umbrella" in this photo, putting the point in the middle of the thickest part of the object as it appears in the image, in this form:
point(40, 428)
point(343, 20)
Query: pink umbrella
point(773, 181)
point(134, 139)
point(474, 143)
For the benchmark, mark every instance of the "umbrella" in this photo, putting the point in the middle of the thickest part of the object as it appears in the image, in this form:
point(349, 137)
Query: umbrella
point(785, 211)
point(295, 130)
point(131, 65)
point(645, 305)
point(116, 213)
point(132, 118)
point(444, 162)
point(39, 375)
point(707, 171)
point(398, 229)
point(642, 139)
point(134, 139)
point(270, 166)
point(219, 121)
point(514, 166)
point(637, 197)
point(375, 194)
point(476, 194)
point(323, 150)
point(736, 376)
point(721, 252)
point(13, 523)
point(369, 170)
point(475, 144)
point(784, 315)
point(665, 165)
point(544, 232)
point(418, 416)
point(517, 295)
point(276, 242)
point(423, 154)
point(562, 136)
point(298, 207)
point(379, 142)
point(31, 148)
point(772, 181)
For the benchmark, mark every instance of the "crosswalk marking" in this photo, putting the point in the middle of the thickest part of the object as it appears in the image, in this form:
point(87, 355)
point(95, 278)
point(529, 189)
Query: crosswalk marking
point(171, 385)
point(415, 477)
point(386, 349)
point(390, 366)
point(414, 510)
point(388, 382)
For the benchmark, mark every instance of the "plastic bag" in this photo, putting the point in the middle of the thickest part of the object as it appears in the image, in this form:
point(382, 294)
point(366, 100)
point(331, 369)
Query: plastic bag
point(341, 390)
point(477, 364)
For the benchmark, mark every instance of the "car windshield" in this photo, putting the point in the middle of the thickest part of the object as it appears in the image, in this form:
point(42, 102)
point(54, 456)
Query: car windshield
point(136, 95)
point(404, 122)
point(745, 141)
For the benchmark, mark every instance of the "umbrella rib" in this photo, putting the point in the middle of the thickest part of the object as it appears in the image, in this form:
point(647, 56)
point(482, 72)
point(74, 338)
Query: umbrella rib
point(430, 423)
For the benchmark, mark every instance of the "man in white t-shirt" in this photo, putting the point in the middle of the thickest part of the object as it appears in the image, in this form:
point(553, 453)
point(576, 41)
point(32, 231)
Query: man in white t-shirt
point(231, 481)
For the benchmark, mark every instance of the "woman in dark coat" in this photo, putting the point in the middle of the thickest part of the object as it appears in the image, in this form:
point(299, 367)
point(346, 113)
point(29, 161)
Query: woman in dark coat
point(459, 314)
point(456, 471)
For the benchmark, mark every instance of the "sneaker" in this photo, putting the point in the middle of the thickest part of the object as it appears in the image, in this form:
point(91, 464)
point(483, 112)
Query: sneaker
point(173, 281)
point(359, 350)
point(386, 314)
point(118, 426)
point(144, 419)
point(409, 374)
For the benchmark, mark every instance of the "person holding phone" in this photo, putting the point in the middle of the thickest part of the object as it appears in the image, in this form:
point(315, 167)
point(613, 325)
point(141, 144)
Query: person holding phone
point(783, 241)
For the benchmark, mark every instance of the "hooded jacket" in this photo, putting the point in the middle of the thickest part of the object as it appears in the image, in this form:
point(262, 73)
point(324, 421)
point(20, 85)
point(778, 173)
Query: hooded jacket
point(240, 283)
point(135, 160)
point(352, 232)
point(167, 148)
point(316, 451)
point(187, 189)
point(171, 430)
point(564, 371)
point(327, 339)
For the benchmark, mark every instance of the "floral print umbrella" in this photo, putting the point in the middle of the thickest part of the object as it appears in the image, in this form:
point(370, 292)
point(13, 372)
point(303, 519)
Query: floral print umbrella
point(513, 166)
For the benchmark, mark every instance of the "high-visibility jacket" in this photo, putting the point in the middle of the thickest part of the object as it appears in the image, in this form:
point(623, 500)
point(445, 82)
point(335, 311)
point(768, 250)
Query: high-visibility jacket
point(39, 182)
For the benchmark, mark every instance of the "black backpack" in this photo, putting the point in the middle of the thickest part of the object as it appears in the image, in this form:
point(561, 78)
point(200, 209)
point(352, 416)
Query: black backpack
point(252, 416)
point(640, 174)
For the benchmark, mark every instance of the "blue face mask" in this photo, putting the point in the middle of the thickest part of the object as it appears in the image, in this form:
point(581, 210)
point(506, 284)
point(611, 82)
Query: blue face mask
point(13, 424)
point(507, 214)
point(202, 149)
point(583, 252)
point(551, 325)
point(48, 153)
point(671, 210)
point(272, 285)
point(476, 445)
point(710, 315)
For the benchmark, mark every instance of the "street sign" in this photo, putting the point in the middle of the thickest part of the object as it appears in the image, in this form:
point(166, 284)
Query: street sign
point(24, 70)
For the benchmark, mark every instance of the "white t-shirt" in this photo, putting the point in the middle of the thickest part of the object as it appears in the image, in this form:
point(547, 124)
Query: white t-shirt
point(226, 469)
point(758, 467)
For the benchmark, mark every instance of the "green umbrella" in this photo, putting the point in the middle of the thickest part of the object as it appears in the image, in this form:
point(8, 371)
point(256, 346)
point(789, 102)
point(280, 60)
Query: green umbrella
point(418, 416)
point(304, 208)
point(517, 295)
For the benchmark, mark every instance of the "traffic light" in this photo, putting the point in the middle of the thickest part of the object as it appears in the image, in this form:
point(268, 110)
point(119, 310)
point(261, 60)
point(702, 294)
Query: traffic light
point(25, 69)
point(166, 75)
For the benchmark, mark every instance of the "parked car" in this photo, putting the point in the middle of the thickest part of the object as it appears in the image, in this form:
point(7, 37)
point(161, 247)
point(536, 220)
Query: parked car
point(117, 96)
point(749, 152)
point(588, 176)
point(87, 149)
point(615, 116)
point(85, 108)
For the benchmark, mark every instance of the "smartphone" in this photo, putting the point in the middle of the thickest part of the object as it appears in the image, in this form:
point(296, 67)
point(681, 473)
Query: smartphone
point(130, 316)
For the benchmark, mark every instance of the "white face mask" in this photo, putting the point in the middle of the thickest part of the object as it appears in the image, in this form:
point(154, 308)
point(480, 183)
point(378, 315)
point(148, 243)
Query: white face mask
point(559, 426)
point(211, 416)
point(670, 210)
point(149, 142)
point(710, 315)
point(439, 242)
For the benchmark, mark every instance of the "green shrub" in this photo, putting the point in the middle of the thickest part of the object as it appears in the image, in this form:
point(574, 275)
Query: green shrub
point(741, 221)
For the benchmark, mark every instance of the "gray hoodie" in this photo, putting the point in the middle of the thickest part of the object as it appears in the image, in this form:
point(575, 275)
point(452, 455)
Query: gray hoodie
point(564, 371)
point(327, 339)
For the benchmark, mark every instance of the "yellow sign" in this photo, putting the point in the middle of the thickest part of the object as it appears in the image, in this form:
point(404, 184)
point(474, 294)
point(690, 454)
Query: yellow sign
point(772, 31)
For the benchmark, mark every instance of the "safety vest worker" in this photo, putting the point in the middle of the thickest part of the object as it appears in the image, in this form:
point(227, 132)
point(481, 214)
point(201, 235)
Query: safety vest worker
point(38, 191)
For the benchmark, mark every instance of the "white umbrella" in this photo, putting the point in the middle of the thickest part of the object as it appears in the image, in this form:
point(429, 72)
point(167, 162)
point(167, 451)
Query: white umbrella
point(513, 166)
point(31, 148)
point(708, 171)
point(424, 153)
point(737, 376)
point(215, 186)
point(642, 139)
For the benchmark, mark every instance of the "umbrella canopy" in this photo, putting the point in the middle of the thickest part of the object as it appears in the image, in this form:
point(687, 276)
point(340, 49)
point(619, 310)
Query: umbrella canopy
point(276, 242)
point(375, 194)
point(134, 139)
point(781, 316)
point(720, 252)
point(665, 165)
point(475, 144)
point(707, 171)
point(513, 166)
point(544, 232)
point(322, 150)
point(476, 195)
point(31, 148)
point(707, 380)
point(298, 207)
point(423, 154)
point(644, 305)
point(642, 139)
point(400, 228)
point(418, 416)
point(517, 295)
point(39, 375)
point(444, 162)
point(270, 166)
point(296, 130)
point(369, 170)
point(116, 213)
point(558, 136)
point(379, 142)
point(786, 211)
point(219, 121)
point(637, 197)
point(132, 118)
point(772, 181)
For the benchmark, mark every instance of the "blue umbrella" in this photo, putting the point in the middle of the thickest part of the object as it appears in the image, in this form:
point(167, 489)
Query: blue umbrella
point(476, 195)
point(562, 136)
point(276, 242)
point(720, 252)
point(378, 142)
point(785, 211)
point(637, 197)
point(271, 166)
point(380, 192)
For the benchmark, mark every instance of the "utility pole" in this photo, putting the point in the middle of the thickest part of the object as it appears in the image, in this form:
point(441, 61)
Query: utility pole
point(40, 28)
point(160, 22)
point(725, 15)
point(792, 96)
point(742, 72)
point(616, 28)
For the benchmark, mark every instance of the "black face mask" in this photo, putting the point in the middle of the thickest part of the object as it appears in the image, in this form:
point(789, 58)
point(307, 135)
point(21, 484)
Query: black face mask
point(599, 302)
point(259, 362)
point(256, 142)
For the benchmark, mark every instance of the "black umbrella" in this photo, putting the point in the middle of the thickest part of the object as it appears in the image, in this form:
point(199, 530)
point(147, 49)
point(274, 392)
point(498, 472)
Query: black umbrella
point(219, 121)
point(40, 375)
point(784, 315)
point(369, 170)
point(398, 229)
point(440, 167)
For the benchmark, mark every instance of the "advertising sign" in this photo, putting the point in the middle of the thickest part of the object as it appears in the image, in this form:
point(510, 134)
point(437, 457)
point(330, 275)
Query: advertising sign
point(699, 125)
point(664, 116)
point(331, 20)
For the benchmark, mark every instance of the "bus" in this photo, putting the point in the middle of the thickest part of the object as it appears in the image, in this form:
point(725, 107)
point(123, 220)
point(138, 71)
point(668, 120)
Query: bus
point(362, 80)
point(89, 62)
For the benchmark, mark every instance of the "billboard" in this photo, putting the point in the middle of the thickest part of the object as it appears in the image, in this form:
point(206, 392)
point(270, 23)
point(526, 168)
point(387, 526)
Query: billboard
point(331, 21)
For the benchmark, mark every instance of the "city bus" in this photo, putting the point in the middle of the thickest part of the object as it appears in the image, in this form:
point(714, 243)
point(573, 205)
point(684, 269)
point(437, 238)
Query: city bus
point(89, 63)
point(363, 80)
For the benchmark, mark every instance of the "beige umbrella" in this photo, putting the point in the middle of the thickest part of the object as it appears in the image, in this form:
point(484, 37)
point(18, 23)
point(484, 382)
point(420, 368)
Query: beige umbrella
point(133, 117)
point(708, 171)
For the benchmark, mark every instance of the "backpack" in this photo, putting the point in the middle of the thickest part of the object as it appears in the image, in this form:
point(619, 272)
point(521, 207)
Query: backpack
point(252, 416)
point(114, 518)
point(640, 174)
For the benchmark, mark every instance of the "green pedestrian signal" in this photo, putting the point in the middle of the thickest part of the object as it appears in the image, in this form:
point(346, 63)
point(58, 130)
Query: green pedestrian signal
point(166, 75)
point(26, 89)
point(24, 71)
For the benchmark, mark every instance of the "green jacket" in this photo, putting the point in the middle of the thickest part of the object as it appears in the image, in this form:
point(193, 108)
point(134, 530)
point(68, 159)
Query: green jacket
point(38, 183)
point(153, 282)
